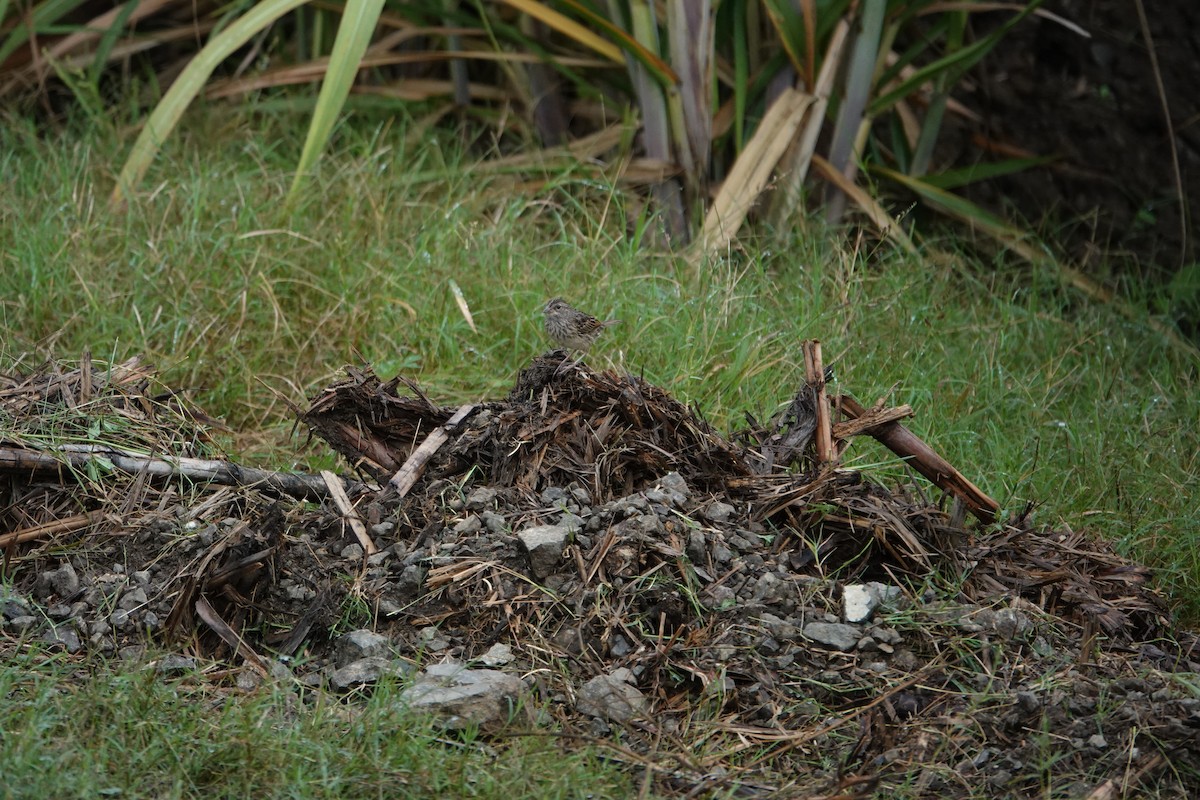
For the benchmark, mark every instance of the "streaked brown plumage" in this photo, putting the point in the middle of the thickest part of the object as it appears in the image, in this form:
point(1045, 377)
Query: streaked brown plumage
point(571, 328)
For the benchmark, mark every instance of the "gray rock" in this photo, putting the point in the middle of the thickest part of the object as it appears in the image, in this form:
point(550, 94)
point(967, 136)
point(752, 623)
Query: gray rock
point(12, 605)
point(719, 512)
point(630, 506)
point(1009, 624)
point(461, 697)
point(572, 521)
point(779, 628)
point(612, 696)
point(411, 580)
point(858, 602)
point(1003, 622)
point(352, 552)
point(835, 634)
point(886, 635)
point(133, 599)
point(21, 624)
point(544, 545)
point(299, 593)
point(554, 496)
point(62, 582)
point(62, 638)
point(493, 522)
point(1028, 702)
point(367, 670)
point(59, 611)
point(720, 598)
point(497, 656)
point(141, 577)
point(381, 530)
point(247, 680)
point(432, 640)
point(647, 527)
point(468, 525)
point(676, 488)
point(657, 496)
point(173, 664)
point(360, 644)
point(132, 652)
point(481, 498)
point(1097, 741)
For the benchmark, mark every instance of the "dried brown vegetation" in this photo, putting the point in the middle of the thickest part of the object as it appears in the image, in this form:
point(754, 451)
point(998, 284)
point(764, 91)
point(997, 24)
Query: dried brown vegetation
point(706, 571)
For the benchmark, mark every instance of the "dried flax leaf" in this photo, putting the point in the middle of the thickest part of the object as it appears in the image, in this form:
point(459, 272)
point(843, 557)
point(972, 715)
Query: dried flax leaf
point(752, 171)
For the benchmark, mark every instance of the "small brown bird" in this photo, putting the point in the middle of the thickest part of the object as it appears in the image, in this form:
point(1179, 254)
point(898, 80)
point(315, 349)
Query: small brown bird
point(571, 328)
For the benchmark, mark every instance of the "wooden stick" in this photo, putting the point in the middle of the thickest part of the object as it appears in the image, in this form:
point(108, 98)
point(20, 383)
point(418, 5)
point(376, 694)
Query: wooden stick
point(872, 418)
point(79, 456)
point(50, 528)
point(338, 494)
point(231, 637)
point(412, 469)
point(925, 460)
point(814, 375)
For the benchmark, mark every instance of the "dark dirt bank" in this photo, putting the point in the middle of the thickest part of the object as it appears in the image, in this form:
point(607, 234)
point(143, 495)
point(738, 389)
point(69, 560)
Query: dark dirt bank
point(1095, 104)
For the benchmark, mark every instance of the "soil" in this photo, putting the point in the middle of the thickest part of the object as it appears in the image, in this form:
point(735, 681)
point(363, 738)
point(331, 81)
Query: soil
point(791, 629)
point(1094, 103)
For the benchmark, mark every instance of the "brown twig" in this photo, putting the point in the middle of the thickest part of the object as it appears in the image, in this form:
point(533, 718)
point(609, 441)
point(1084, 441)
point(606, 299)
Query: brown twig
point(925, 460)
point(50, 528)
point(814, 375)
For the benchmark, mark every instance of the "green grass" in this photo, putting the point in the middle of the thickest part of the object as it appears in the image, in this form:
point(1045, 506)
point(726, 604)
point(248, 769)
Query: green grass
point(1035, 394)
point(132, 732)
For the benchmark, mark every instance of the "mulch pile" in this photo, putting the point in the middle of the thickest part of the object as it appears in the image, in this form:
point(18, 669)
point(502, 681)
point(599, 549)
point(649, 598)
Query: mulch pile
point(653, 582)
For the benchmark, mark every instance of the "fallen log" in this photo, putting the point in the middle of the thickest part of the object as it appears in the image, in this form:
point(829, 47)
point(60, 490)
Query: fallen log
point(62, 459)
point(921, 457)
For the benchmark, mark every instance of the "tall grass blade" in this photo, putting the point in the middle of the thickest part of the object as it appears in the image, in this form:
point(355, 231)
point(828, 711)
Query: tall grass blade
point(963, 176)
point(690, 42)
point(569, 28)
point(190, 83)
point(109, 38)
point(864, 56)
point(656, 120)
point(353, 36)
point(39, 18)
point(953, 64)
point(869, 205)
point(955, 206)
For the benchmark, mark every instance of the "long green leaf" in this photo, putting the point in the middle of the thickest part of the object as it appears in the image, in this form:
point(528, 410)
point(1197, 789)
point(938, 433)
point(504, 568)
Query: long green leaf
point(931, 128)
point(353, 36)
point(39, 18)
point(864, 56)
point(953, 64)
point(190, 82)
point(661, 70)
point(953, 205)
point(569, 27)
point(954, 178)
point(108, 39)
